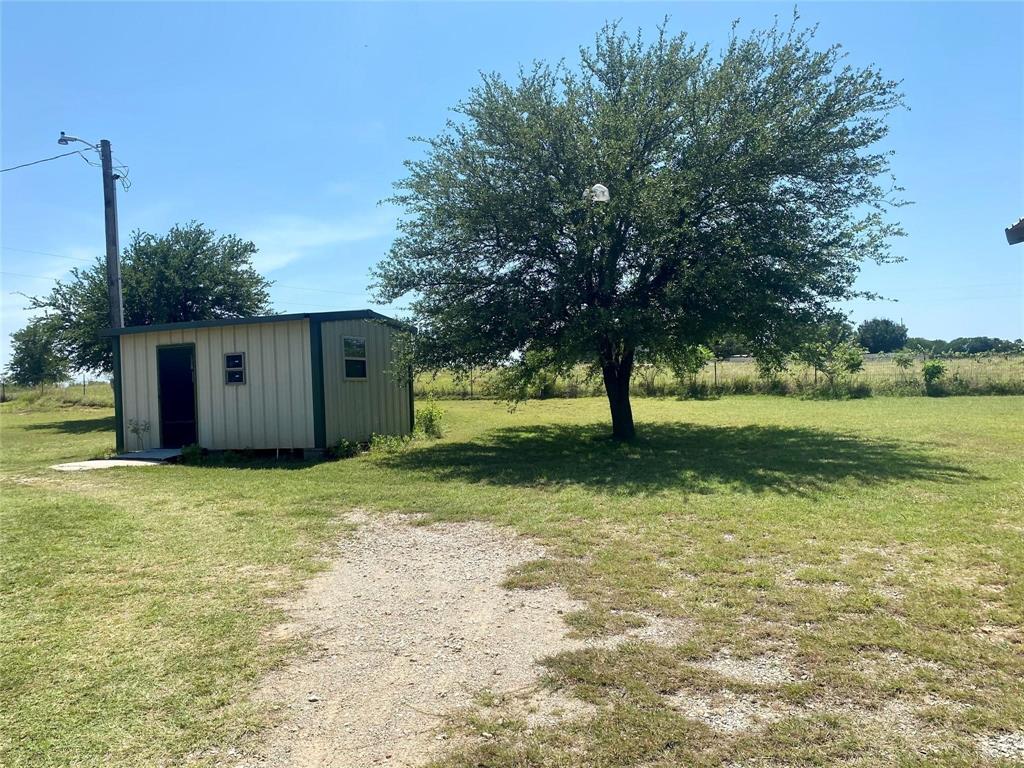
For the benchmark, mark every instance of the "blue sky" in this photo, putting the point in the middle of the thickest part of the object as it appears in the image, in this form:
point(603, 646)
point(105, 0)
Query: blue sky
point(287, 124)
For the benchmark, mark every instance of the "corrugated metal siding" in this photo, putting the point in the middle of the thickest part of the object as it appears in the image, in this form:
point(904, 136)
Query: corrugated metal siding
point(273, 409)
point(356, 409)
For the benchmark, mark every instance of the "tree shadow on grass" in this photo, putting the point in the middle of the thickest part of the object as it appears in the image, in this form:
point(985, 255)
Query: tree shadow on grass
point(76, 426)
point(686, 457)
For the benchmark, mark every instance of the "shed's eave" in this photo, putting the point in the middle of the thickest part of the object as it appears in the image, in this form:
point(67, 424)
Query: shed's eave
point(352, 314)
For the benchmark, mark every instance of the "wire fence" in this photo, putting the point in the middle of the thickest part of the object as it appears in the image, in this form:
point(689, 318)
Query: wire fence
point(987, 374)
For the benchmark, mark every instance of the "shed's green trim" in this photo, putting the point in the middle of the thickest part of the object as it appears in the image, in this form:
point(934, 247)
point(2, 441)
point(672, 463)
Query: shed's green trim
point(354, 314)
point(412, 405)
point(115, 381)
point(316, 356)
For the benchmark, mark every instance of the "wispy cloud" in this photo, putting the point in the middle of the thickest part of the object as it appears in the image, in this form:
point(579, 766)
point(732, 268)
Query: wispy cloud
point(285, 239)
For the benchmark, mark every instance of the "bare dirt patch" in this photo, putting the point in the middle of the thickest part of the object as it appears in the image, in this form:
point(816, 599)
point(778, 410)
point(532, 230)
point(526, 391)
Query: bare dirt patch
point(408, 626)
point(770, 668)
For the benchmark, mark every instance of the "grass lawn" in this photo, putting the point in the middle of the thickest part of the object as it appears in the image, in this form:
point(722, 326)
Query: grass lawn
point(873, 549)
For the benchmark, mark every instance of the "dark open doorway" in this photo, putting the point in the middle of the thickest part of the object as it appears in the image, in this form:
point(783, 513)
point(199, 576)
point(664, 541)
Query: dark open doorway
point(176, 381)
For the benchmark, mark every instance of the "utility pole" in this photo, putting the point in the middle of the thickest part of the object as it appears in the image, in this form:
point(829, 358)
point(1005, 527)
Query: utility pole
point(113, 281)
point(113, 249)
point(116, 305)
point(116, 312)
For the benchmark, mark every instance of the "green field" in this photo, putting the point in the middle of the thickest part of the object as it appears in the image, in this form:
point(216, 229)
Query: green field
point(877, 544)
point(988, 374)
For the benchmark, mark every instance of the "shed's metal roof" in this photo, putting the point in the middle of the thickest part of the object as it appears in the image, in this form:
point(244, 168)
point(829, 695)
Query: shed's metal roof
point(351, 314)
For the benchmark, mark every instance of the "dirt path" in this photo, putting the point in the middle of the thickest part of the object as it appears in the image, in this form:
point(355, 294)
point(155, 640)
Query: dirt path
point(407, 626)
point(410, 623)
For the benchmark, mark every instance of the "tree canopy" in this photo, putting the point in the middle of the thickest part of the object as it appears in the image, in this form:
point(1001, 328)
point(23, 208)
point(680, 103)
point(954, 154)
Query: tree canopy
point(190, 273)
point(34, 357)
point(882, 335)
point(744, 189)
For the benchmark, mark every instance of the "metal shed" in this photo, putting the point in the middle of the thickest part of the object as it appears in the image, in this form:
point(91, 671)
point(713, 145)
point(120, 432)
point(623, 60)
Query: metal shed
point(300, 381)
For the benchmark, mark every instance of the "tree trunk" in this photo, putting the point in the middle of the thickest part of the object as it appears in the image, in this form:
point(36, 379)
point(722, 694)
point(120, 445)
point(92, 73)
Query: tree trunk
point(616, 375)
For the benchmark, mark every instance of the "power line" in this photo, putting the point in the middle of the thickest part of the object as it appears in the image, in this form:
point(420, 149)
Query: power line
point(122, 169)
point(46, 253)
point(22, 274)
point(44, 160)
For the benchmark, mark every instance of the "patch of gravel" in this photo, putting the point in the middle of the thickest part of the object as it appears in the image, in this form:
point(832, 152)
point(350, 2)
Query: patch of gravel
point(885, 664)
point(1004, 746)
point(894, 725)
point(662, 630)
point(407, 626)
point(727, 711)
point(766, 669)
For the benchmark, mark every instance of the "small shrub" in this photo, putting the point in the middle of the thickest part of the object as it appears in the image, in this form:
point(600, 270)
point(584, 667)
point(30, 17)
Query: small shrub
point(646, 380)
point(840, 390)
point(343, 449)
point(933, 371)
point(429, 418)
point(776, 386)
point(139, 429)
point(573, 387)
point(696, 390)
point(193, 454)
point(909, 387)
point(859, 390)
point(385, 444)
point(742, 385)
point(904, 361)
point(999, 388)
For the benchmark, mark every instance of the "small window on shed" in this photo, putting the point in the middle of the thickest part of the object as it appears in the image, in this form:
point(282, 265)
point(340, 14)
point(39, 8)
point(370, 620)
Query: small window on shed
point(354, 349)
point(234, 368)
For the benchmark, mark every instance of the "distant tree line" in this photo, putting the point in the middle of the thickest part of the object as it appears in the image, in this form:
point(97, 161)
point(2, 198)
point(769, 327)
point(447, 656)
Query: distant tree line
point(884, 335)
point(966, 345)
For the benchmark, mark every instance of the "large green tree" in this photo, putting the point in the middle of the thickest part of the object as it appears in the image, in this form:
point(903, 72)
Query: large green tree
point(190, 273)
point(35, 358)
point(882, 335)
point(743, 192)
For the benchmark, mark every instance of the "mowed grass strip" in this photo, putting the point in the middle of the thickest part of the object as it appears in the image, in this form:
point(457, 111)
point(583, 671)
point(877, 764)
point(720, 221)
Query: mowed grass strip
point(869, 551)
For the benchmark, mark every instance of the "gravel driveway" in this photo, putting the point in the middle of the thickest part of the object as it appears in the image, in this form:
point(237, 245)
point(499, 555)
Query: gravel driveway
point(408, 624)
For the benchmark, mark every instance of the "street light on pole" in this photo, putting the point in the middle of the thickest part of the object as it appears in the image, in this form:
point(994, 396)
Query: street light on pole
point(116, 306)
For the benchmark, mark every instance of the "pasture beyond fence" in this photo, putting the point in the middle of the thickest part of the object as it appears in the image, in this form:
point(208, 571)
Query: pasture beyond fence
point(974, 375)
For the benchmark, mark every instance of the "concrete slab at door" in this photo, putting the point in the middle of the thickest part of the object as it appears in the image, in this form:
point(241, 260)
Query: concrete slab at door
point(84, 466)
